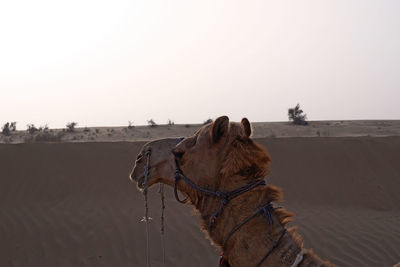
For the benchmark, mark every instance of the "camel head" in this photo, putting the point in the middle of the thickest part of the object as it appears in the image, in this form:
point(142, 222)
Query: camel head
point(221, 155)
point(161, 163)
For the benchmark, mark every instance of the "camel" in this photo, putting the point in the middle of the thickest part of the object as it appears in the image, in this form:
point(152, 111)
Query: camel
point(221, 158)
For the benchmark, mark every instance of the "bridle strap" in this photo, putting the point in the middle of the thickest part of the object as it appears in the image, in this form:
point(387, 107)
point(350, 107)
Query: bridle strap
point(146, 214)
point(225, 196)
point(275, 245)
point(267, 209)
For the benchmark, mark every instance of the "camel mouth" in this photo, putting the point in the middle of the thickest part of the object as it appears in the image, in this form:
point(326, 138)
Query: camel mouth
point(140, 182)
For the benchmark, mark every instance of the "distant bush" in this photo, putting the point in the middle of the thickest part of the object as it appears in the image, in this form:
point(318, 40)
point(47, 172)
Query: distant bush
point(171, 122)
point(31, 128)
point(71, 126)
point(296, 115)
point(13, 126)
point(44, 128)
point(9, 127)
point(5, 130)
point(86, 130)
point(207, 121)
point(151, 123)
point(130, 125)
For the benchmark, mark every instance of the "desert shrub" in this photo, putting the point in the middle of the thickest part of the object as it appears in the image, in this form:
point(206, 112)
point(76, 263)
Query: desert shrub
point(187, 125)
point(170, 122)
point(130, 125)
point(207, 121)
point(31, 128)
point(97, 130)
point(71, 126)
point(5, 130)
point(296, 115)
point(44, 128)
point(9, 127)
point(13, 126)
point(151, 123)
point(86, 130)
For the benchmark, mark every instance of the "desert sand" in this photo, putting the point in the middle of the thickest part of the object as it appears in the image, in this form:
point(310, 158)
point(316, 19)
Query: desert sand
point(72, 204)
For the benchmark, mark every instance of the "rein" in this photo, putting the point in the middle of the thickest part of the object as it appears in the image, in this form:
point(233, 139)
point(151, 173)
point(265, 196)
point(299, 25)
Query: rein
point(146, 207)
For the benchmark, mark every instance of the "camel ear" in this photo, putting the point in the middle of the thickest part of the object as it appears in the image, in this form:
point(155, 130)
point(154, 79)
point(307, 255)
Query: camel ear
point(219, 128)
point(247, 127)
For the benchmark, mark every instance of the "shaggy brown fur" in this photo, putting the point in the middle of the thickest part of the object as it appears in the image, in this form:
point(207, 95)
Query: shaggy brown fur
point(222, 156)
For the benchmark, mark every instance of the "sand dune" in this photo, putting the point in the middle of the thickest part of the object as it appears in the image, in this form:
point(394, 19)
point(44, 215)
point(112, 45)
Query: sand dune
point(71, 204)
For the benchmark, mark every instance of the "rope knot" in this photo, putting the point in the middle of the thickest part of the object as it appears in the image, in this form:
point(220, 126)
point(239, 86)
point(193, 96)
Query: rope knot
point(223, 196)
point(177, 174)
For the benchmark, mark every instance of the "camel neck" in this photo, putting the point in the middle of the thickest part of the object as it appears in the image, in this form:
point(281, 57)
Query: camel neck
point(249, 244)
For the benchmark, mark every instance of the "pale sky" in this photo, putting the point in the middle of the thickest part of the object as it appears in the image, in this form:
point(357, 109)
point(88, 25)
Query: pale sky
point(104, 63)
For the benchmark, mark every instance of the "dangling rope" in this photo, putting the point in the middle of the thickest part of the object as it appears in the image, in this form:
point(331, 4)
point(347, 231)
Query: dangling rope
point(146, 217)
point(146, 220)
point(161, 191)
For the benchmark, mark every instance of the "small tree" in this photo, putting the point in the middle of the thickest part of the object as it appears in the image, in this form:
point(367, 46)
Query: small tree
point(130, 125)
point(296, 115)
point(71, 126)
point(5, 130)
point(151, 123)
point(170, 122)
